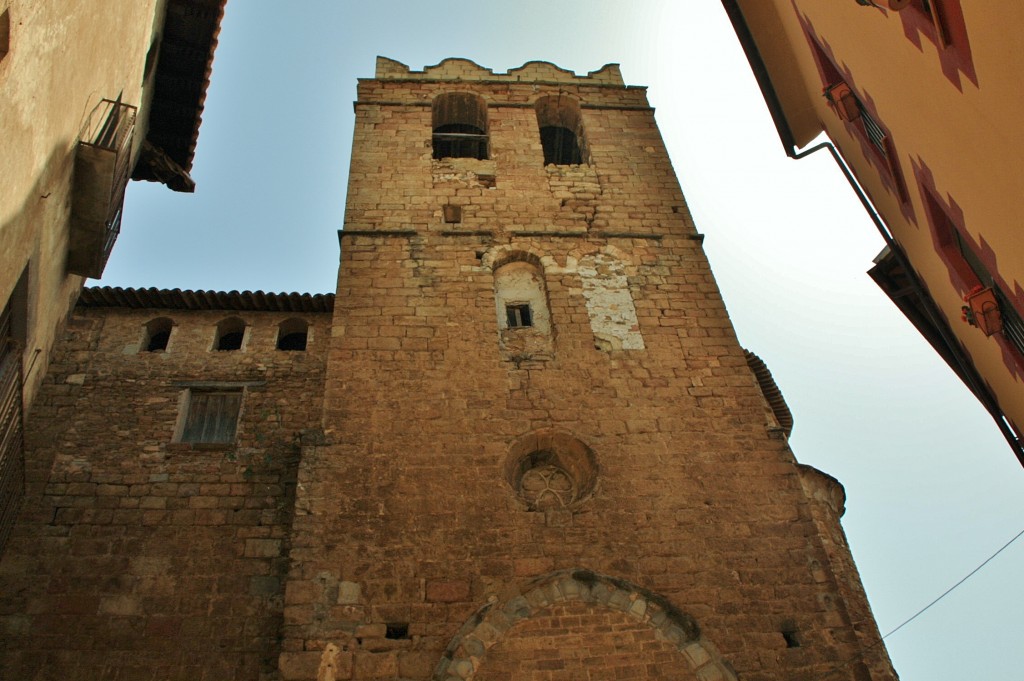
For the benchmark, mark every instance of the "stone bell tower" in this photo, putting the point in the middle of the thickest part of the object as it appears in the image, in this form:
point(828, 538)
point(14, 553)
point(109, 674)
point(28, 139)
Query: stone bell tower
point(544, 454)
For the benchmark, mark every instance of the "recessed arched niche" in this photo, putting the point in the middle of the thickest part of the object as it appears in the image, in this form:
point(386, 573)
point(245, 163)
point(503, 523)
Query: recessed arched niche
point(561, 130)
point(460, 126)
point(292, 335)
point(551, 470)
point(230, 334)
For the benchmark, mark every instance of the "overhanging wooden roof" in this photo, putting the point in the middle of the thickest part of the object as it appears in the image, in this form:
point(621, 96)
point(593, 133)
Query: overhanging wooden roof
point(177, 299)
point(185, 61)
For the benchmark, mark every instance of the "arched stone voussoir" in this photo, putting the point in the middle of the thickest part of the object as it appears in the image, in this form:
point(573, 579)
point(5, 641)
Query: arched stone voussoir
point(468, 649)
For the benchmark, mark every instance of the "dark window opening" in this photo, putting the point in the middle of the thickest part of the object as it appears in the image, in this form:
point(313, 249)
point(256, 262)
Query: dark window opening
point(460, 141)
point(460, 126)
point(157, 334)
point(518, 316)
point(397, 630)
point(231, 341)
point(158, 341)
point(230, 334)
point(791, 639)
point(560, 146)
point(561, 130)
point(212, 416)
point(295, 341)
point(293, 335)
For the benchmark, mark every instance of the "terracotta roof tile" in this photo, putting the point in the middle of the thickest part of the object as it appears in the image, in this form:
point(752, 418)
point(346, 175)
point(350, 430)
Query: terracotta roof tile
point(177, 299)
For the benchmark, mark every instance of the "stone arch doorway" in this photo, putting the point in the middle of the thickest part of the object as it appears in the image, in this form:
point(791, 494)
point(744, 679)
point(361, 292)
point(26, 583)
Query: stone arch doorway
point(577, 624)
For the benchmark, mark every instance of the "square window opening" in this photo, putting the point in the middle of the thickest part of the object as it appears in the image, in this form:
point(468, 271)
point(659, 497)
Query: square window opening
point(518, 315)
point(396, 631)
point(211, 416)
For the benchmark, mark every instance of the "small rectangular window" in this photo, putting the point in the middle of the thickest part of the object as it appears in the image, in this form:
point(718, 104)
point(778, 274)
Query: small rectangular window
point(212, 416)
point(518, 315)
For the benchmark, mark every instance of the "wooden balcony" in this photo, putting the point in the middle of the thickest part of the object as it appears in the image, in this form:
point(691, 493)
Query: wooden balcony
point(102, 167)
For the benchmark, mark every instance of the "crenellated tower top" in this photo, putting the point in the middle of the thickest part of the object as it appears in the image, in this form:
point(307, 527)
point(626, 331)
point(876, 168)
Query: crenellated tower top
point(464, 69)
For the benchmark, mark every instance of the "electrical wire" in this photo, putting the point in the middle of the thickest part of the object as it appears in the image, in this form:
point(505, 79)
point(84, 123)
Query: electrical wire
point(924, 609)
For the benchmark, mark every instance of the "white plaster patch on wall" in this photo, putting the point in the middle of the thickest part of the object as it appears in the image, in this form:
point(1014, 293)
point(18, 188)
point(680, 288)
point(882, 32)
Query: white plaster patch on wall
point(609, 303)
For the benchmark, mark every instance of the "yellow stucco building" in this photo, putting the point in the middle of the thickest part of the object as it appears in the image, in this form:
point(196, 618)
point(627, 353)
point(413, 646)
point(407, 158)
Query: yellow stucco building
point(921, 104)
point(91, 94)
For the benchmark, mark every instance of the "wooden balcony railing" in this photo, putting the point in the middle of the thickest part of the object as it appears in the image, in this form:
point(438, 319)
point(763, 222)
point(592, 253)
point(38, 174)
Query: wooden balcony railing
point(102, 168)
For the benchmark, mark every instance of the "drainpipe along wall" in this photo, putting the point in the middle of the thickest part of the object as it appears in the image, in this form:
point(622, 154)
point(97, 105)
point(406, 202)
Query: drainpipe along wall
point(970, 374)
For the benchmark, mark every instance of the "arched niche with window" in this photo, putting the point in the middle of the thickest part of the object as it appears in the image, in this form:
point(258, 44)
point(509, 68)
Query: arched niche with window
point(156, 335)
point(561, 130)
point(460, 126)
point(292, 335)
point(521, 302)
point(230, 334)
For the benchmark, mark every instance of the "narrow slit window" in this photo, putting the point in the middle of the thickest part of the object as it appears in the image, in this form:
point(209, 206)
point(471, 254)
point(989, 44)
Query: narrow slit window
point(518, 315)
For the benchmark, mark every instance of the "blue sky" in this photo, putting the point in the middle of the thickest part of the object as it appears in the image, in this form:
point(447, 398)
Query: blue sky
point(932, 488)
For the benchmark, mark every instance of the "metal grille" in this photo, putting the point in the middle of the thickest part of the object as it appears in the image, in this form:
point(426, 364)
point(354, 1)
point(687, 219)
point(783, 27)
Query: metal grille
point(1013, 327)
point(875, 132)
point(12, 450)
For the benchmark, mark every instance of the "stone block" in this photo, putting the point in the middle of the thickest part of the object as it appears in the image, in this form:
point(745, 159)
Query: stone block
point(447, 591)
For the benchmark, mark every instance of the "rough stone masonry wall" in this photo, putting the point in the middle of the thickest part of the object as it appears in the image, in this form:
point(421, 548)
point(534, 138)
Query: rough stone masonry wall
point(425, 543)
point(139, 558)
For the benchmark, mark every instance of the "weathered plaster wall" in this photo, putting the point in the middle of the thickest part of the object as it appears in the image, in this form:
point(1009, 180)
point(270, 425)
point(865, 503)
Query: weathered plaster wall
point(64, 57)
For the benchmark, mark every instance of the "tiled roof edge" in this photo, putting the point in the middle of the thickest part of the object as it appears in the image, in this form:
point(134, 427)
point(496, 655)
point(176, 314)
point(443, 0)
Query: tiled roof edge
point(177, 299)
point(771, 391)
